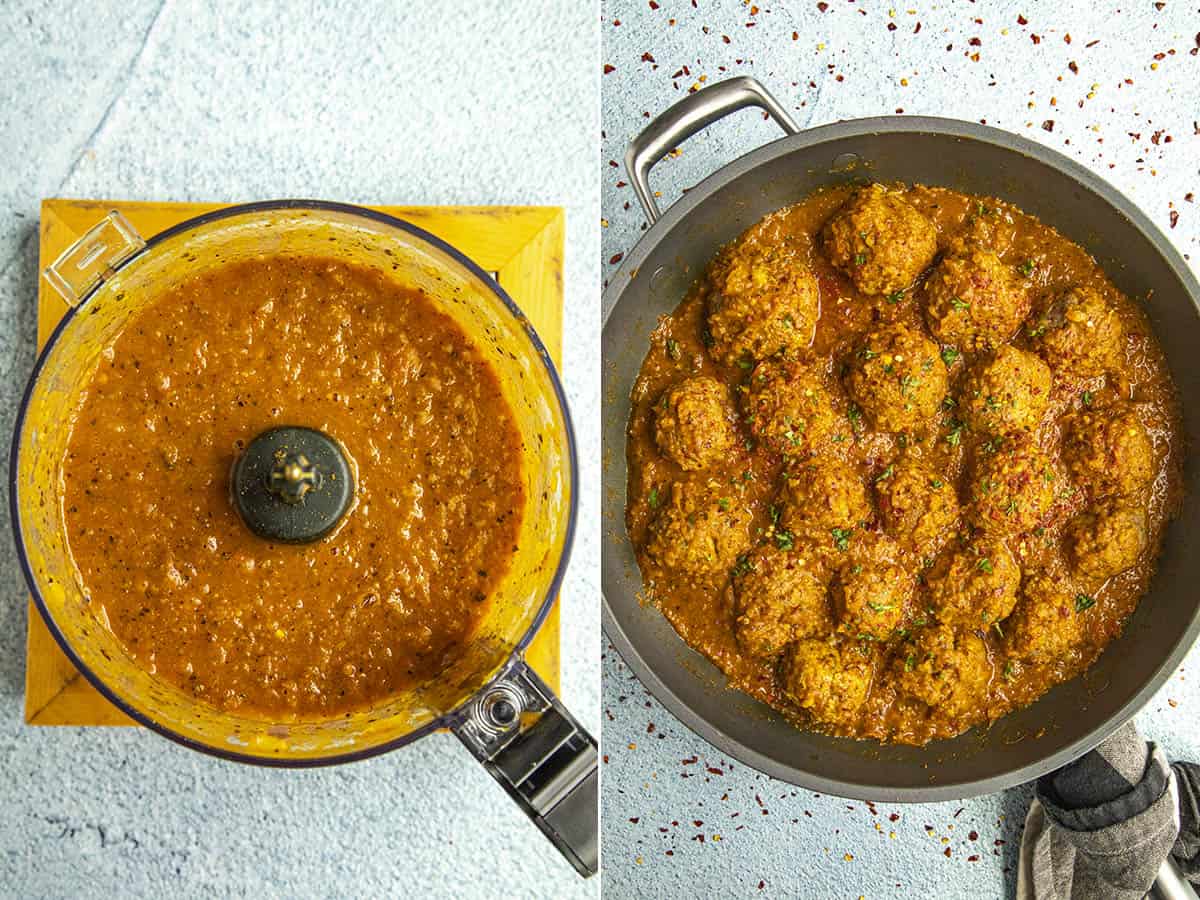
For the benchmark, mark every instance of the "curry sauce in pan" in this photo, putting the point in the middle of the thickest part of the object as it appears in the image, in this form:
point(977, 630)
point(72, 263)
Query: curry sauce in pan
point(900, 461)
point(387, 600)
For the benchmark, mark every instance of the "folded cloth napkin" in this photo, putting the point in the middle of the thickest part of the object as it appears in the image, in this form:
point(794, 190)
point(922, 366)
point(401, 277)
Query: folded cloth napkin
point(1101, 826)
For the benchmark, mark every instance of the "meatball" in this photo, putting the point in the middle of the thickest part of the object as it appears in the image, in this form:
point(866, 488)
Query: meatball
point(829, 678)
point(976, 586)
point(897, 377)
point(778, 600)
point(701, 529)
point(823, 501)
point(1048, 623)
point(869, 598)
point(880, 240)
point(1080, 335)
point(789, 409)
point(1106, 540)
point(1108, 450)
point(974, 300)
point(693, 427)
point(1012, 486)
point(762, 302)
point(917, 505)
point(1008, 391)
point(945, 669)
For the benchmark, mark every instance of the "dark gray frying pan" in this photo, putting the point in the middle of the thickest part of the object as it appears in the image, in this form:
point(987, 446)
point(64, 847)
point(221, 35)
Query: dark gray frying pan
point(1073, 717)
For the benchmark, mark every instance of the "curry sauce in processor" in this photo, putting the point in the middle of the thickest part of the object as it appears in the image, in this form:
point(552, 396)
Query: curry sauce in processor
point(391, 596)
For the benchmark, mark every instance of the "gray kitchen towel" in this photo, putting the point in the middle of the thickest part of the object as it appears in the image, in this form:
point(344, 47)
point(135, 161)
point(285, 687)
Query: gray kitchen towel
point(1101, 826)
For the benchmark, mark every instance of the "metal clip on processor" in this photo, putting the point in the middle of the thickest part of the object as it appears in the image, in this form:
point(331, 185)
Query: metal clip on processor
point(292, 485)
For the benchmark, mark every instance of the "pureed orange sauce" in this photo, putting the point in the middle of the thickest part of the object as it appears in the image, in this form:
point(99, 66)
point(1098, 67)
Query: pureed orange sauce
point(385, 601)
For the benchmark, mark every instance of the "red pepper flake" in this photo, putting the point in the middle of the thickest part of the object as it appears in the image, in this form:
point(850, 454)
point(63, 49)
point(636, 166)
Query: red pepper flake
point(974, 836)
point(713, 770)
point(1048, 125)
point(1160, 56)
point(616, 23)
point(823, 7)
point(1156, 137)
point(690, 761)
point(761, 885)
point(616, 259)
point(606, 759)
point(1021, 20)
point(973, 858)
point(1091, 44)
point(917, 30)
point(608, 68)
point(947, 851)
point(1174, 222)
point(635, 820)
point(891, 26)
point(698, 837)
point(1189, 197)
point(646, 57)
point(697, 822)
point(894, 817)
point(621, 184)
point(650, 728)
point(1073, 66)
point(725, 38)
point(653, 5)
point(899, 110)
point(975, 42)
point(1035, 38)
point(670, 853)
point(758, 800)
point(795, 35)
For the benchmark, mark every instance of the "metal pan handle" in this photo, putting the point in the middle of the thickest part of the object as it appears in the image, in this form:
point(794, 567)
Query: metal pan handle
point(694, 113)
point(523, 735)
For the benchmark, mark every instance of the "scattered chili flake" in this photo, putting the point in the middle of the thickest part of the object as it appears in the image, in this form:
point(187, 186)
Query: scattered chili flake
point(1174, 217)
point(891, 26)
point(713, 770)
point(973, 858)
point(947, 851)
point(616, 258)
point(894, 817)
point(1021, 20)
point(1048, 125)
point(635, 820)
point(608, 68)
point(1035, 38)
point(646, 57)
point(823, 7)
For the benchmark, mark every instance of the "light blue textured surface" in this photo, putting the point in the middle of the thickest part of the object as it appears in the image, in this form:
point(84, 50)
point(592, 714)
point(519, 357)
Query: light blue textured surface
point(355, 101)
point(775, 840)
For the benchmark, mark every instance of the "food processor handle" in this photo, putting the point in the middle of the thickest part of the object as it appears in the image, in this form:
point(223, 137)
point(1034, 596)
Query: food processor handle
point(694, 113)
point(523, 735)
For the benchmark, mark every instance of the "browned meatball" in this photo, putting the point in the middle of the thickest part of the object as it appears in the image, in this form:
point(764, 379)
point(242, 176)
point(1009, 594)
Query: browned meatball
point(869, 596)
point(789, 409)
point(1012, 486)
point(701, 528)
point(974, 300)
point(976, 586)
point(919, 507)
point(824, 502)
point(945, 669)
point(1049, 621)
point(762, 302)
point(693, 426)
point(1008, 391)
point(1080, 335)
point(897, 377)
point(1107, 451)
point(830, 678)
point(1106, 540)
point(880, 240)
point(778, 600)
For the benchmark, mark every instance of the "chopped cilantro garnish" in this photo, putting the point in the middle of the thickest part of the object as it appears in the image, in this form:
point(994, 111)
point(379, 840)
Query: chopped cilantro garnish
point(910, 662)
point(841, 538)
point(1026, 268)
point(860, 259)
point(886, 474)
point(1008, 670)
point(1087, 398)
point(652, 498)
point(895, 297)
point(784, 541)
point(673, 350)
point(1083, 602)
point(881, 607)
point(949, 355)
point(985, 566)
point(959, 303)
point(724, 504)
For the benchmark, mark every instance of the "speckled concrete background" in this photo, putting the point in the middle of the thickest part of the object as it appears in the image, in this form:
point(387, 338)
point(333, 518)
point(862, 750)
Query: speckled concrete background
point(486, 102)
point(1114, 85)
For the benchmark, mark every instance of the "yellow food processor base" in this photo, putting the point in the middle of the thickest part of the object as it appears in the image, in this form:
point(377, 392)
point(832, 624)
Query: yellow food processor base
point(521, 245)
